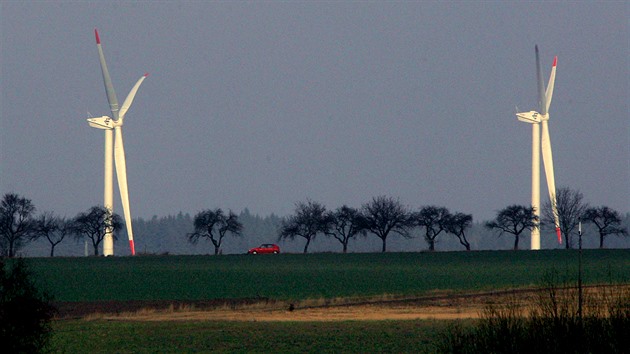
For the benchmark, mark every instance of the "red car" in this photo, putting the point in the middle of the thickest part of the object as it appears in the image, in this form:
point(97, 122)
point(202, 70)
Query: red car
point(265, 248)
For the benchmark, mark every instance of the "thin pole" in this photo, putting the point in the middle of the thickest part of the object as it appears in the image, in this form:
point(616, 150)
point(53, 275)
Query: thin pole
point(580, 272)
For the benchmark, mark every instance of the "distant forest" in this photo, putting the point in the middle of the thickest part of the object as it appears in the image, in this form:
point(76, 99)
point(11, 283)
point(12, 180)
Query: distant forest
point(167, 235)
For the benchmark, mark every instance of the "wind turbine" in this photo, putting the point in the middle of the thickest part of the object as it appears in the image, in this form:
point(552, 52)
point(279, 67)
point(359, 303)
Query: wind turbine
point(537, 119)
point(113, 126)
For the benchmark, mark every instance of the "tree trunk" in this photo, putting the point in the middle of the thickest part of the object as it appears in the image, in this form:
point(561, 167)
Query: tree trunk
point(216, 250)
point(463, 241)
point(345, 247)
point(516, 242)
point(431, 245)
point(601, 241)
point(11, 250)
point(384, 245)
point(52, 250)
point(308, 240)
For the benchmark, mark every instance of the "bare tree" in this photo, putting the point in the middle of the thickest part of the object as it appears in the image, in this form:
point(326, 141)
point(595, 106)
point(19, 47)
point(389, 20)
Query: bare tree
point(346, 223)
point(93, 223)
point(457, 225)
point(384, 215)
point(214, 225)
point(607, 221)
point(54, 229)
point(570, 208)
point(17, 224)
point(434, 220)
point(514, 220)
point(310, 219)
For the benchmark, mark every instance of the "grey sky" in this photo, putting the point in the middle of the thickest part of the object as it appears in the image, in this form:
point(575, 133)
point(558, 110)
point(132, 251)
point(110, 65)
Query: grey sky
point(263, 104)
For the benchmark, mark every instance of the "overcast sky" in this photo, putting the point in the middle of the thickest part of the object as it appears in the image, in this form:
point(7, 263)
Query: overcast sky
point(263, 104)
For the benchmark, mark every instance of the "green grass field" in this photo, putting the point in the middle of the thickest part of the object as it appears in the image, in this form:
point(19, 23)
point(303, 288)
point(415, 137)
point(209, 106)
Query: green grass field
point(291, 277)
point(246, 337)
point(297, 277)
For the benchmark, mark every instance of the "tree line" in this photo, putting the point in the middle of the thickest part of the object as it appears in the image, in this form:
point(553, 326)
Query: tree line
point(19, 225)
point(382, 217)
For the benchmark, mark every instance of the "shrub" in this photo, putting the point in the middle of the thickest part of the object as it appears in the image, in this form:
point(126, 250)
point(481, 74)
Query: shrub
point(552, 322)
point(25, 312)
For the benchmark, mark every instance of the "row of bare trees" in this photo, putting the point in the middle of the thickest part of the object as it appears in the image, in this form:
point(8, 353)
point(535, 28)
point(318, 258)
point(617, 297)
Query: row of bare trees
point(383, 216)
point(572, 209)
point(19, 225)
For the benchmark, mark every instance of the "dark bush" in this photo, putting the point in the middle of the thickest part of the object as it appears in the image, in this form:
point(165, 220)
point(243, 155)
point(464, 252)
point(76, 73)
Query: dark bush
point(25, 312)
point(551, 323)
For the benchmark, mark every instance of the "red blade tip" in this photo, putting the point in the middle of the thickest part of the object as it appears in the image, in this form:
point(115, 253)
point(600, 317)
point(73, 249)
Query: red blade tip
point(98, 39)
point(555, 60)
point(146, 74)
point(559, 235)
point(133, 248)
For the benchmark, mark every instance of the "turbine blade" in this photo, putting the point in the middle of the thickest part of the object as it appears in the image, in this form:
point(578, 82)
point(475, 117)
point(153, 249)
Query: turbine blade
point(551, 183)
point(552, 80)
point(130, 97)
point(109, 88)
point(121, 174)
point(542, 101)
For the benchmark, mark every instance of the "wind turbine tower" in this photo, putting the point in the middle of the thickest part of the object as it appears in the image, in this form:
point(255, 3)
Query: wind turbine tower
point(114, 152)
point(538, 119)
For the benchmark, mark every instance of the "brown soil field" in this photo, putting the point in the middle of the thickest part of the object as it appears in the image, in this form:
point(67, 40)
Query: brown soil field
point(437, 306)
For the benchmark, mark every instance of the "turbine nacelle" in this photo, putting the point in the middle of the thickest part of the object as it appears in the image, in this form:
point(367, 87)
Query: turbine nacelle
point(532, 117)
point(104, 122)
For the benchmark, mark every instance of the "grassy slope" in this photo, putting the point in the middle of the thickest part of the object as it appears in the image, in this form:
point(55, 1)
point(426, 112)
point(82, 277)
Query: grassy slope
point(246, 337)
point(292, 276)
